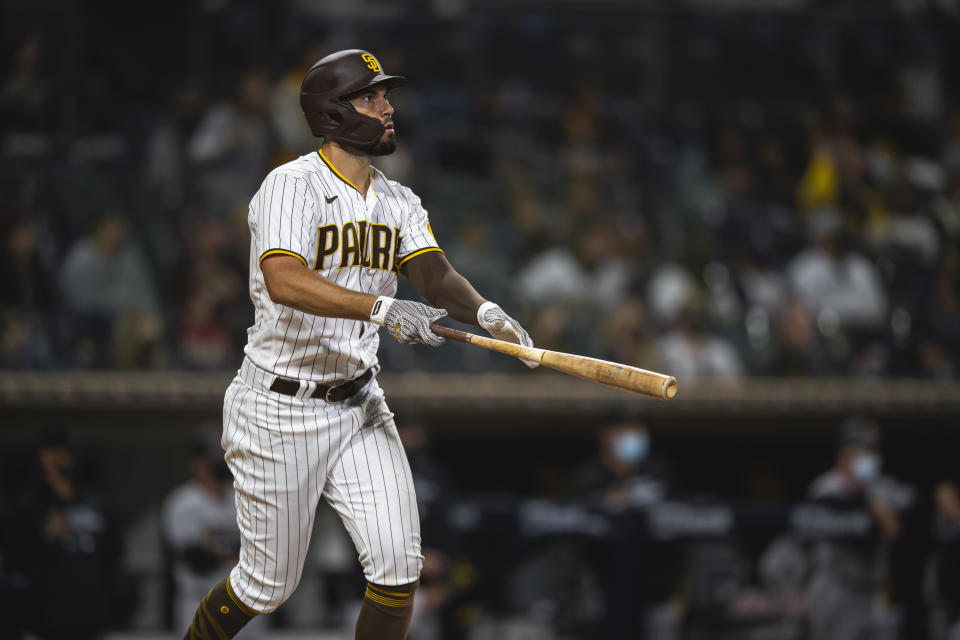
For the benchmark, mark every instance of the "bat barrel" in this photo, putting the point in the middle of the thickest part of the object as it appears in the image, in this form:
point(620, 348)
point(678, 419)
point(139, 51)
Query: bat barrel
point(621, 376)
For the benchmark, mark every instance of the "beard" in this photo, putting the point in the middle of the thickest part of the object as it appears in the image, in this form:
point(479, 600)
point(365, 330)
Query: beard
point(386, 145)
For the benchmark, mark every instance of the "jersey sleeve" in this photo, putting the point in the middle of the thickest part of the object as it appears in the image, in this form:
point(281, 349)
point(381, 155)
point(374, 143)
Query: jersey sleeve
point(416, 236)
point(282, 218)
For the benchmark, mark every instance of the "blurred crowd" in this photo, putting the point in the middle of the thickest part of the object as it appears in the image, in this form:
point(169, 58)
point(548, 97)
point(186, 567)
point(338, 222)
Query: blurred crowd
point(620, 547)
point(711, 194)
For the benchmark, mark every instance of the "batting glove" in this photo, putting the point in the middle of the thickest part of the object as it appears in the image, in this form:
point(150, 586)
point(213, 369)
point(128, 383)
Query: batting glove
point(502, 327)
point(408, 321)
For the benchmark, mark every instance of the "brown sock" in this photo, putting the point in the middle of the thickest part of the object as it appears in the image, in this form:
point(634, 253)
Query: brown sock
point(220, 615)
point(386, 611)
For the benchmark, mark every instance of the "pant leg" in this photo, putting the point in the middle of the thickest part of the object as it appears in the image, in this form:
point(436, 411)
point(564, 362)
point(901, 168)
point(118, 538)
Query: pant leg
point(370, 486)
point(275, 446)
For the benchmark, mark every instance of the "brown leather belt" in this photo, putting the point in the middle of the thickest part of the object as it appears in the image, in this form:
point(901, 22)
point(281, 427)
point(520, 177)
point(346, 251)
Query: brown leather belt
point(328, 392)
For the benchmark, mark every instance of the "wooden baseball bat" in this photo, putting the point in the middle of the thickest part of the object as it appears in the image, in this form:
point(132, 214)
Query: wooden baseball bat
point(614, 374)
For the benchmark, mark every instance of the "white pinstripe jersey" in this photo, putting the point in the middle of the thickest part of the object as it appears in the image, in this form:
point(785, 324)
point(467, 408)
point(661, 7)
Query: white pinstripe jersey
point(308, 209)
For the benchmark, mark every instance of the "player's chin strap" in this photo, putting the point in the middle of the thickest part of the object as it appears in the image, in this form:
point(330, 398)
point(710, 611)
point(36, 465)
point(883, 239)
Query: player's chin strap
point(386, 611)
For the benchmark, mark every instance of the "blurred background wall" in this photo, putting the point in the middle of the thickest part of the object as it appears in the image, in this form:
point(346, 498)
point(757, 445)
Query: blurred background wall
point(761, 198)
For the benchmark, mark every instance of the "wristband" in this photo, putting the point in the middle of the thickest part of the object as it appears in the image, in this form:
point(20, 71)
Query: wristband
point(486, 306)
point(379, 311)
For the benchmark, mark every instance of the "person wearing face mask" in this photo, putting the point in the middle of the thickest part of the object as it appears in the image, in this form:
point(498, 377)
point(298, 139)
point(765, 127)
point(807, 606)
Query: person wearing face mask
point(625, 474)
point(623, 478)
point(847, 575)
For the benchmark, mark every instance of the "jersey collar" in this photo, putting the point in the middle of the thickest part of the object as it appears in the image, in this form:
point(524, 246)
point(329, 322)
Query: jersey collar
point(337, 173)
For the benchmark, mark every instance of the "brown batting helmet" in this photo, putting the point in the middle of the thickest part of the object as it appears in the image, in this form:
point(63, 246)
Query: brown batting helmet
point(325, 89)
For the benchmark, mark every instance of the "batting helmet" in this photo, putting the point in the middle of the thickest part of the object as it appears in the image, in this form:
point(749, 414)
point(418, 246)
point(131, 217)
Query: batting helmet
point(325, 87)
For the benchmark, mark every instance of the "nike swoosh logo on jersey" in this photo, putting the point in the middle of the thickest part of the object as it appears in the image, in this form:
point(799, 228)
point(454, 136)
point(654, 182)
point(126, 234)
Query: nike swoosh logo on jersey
point(331, 199)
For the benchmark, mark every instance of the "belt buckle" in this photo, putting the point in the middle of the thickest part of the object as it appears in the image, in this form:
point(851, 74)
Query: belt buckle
point(326, 396)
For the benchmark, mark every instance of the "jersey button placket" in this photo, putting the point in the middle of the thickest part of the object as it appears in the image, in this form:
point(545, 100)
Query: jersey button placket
point(371, 200)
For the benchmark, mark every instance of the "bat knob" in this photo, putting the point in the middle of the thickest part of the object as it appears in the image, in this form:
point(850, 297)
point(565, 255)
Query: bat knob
point(669, 388)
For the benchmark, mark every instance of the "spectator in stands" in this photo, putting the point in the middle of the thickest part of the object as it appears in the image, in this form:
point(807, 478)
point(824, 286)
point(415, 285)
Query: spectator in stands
point(166, 177)
point(836, 171)
point(200, 529)
point(64, 547)
point(294, 136)
point(761, 285)
point(580, 124)
point(732, 170)
point(107, 285)
point(690, 350)
point(623, 478)
point(627, 334)
point(216, 310)
point(28, 295)
point(233, 144)
point(800, 348)
point(25, 94)
point(205, 340)
point(592, 271)
point(847, 576)
point(475, 247)
point(570, 290)
point(907, 228)
point(921, 91)
point(530, 231)
point(939, 345)
point(776, 182)
point(841, 286)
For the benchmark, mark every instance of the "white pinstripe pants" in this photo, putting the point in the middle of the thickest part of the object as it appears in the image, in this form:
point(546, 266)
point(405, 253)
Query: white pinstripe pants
point(285, 453)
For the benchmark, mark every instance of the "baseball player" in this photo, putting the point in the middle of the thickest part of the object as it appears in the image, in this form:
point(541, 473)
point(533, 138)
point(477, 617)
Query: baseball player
point(200, 527)
point(305, 417)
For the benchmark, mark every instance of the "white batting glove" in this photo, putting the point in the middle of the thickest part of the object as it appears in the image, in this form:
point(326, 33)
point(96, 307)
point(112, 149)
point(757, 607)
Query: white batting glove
point(408, 321)
point(502, 327)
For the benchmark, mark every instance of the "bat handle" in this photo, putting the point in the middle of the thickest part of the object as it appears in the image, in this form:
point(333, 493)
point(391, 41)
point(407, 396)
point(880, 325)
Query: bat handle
point(450, 334)
point(501, 346)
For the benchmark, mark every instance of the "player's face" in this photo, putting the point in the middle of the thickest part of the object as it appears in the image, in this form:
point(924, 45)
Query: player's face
point(373, 103)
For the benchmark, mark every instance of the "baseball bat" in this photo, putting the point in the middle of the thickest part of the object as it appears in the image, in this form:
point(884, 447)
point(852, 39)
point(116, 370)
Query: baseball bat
point(617, 375)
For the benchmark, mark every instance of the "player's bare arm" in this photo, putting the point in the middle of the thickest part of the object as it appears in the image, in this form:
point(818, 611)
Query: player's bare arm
point(293, 285)
point(432, 275)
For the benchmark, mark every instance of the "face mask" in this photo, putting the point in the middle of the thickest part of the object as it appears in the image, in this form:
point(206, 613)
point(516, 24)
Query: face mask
point(631, 447)
point(865, 467)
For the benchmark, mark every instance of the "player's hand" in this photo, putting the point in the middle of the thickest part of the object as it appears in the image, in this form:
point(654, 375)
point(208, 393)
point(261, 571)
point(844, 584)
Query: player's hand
point(502, 327)
point(408, 321)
